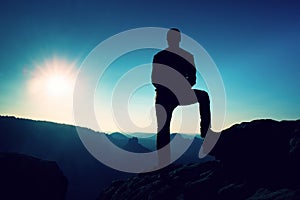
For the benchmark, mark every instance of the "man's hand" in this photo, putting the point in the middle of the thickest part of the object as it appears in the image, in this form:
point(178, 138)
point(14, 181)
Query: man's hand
point(191, 80)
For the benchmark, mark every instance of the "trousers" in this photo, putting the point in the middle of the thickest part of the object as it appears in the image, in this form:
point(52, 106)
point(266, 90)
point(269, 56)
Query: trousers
point(166, 102)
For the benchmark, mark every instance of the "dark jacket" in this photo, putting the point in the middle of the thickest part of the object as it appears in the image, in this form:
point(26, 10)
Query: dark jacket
point(179, 60)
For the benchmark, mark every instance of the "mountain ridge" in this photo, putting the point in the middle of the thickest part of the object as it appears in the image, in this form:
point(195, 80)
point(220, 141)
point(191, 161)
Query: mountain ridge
point(86, 175)
point(61, 143)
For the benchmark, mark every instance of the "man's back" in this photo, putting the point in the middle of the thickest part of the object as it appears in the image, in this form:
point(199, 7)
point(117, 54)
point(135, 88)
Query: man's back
point(177, 59)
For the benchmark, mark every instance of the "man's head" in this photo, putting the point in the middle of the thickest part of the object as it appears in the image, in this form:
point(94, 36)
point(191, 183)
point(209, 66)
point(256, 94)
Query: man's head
point(173, 37)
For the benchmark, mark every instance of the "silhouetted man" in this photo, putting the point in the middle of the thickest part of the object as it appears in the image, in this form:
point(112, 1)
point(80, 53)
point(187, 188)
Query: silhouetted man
point(173, 75)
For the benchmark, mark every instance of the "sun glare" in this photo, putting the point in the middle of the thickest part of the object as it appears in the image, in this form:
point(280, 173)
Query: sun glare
point(50, 90)
point(53, 79)
point(58, 85)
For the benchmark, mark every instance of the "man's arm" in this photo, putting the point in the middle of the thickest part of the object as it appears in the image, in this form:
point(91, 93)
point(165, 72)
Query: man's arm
point(191, 73)
point(155, 72)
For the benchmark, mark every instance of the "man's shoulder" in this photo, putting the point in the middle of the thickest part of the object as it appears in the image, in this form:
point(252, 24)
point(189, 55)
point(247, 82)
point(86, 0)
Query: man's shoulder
point(179, 51)
point(160, 53)
point(167, 53)
point(185, 53)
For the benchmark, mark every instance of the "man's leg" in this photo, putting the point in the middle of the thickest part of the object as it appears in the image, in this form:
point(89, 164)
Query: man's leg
point(163, 116)
point(204, 106)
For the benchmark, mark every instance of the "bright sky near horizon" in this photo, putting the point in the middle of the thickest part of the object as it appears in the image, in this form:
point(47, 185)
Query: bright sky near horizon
point(255, 45)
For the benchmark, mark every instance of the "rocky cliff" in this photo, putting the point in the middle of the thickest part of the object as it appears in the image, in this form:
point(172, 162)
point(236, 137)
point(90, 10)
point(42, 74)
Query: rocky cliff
point(254, 160)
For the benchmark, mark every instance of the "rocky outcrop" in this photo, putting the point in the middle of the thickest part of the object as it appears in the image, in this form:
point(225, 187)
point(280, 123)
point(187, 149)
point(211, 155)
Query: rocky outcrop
point(254, 160)
point(25, 177)
point(133, 145)
point(267, 150)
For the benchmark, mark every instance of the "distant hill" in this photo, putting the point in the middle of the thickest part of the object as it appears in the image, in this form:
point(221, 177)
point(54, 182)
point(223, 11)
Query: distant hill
point(118, 136)
point(133, 145)
point(118, 139)
point(60, 143)
point(257, 160)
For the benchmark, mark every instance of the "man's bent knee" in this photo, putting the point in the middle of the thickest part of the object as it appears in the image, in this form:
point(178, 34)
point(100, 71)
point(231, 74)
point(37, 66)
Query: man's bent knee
point(202, 96)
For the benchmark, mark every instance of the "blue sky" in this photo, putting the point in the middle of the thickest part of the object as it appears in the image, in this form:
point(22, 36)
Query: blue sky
point(255, 45)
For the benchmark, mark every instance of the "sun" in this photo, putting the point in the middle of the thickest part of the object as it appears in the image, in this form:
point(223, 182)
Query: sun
point(58, 84)
point(50, 89)
point(53, 79)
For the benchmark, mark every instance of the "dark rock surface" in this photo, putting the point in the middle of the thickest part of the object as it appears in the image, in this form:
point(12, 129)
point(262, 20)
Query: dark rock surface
point(26, 177)
point(255, 160)
point(262, 149)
